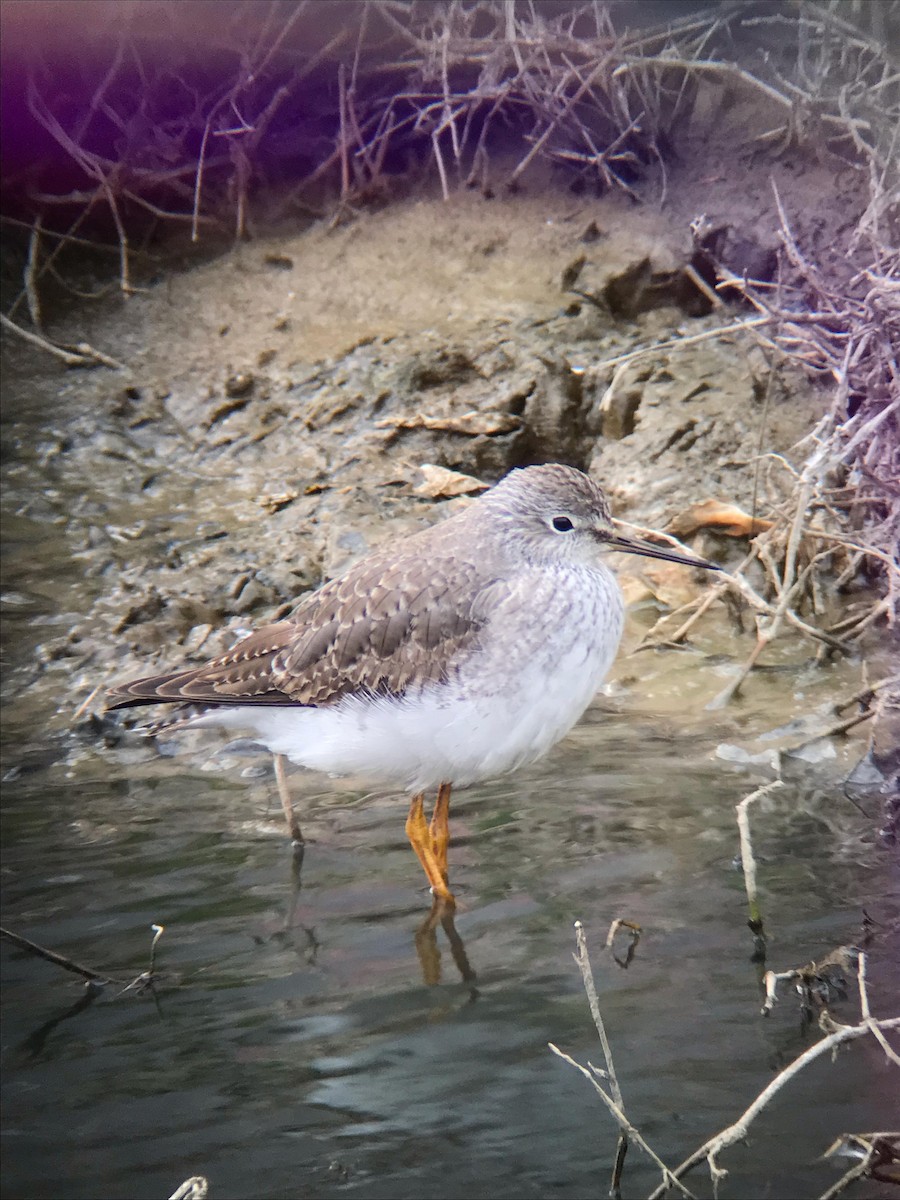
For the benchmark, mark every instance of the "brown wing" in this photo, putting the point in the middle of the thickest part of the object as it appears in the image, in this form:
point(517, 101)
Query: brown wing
point(357, 633)
point(244, 674)
point(361, 632)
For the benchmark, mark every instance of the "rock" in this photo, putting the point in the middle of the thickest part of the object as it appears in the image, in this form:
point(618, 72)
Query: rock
point(237, 386)
point(252, 596)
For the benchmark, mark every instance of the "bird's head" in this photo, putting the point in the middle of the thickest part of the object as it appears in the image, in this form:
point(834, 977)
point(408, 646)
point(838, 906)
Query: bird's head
point(558, 514)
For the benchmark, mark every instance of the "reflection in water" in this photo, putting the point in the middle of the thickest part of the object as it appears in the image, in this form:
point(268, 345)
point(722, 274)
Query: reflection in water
point(442, 914)
point(316, 1017)
point(292, 920)
point(33, 1045)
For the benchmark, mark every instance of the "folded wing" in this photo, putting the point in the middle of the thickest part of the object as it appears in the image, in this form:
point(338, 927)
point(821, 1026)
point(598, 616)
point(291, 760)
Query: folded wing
point(357, 633)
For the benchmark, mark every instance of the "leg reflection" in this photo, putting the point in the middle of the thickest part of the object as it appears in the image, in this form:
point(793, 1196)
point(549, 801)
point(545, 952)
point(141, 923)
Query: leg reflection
point(442, 914)
point(293, 921)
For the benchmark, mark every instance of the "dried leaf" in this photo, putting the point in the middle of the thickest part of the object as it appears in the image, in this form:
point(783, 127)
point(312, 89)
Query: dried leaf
point(441, 482)
point(717, 514)
point(274, 502)
point(649, 579)
point(471, 423)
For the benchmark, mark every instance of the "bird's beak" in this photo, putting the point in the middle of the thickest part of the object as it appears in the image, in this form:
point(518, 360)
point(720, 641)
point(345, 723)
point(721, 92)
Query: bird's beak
point(633, 545)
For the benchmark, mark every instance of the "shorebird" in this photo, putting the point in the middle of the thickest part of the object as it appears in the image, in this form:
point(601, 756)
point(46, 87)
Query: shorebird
point(451, 656)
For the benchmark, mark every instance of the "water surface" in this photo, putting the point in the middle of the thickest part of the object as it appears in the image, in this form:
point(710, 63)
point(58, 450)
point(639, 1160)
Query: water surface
point(313, 1035)
point(299, 1043)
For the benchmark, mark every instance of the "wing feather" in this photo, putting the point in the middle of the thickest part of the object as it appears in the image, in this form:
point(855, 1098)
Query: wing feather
point(381, 628)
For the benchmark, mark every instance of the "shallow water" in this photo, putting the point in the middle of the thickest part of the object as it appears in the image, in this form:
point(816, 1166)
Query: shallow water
point(317, 1036)
point(294, 1046)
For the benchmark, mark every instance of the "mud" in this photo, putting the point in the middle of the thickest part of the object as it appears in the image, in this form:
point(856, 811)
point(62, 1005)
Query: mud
point(283, 408)
point(274, 420)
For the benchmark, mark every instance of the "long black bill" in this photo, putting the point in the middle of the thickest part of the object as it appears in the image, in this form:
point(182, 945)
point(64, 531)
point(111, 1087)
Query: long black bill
point(632, 545)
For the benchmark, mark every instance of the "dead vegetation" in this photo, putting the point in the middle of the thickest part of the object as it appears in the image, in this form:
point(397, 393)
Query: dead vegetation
point(290, 113)
point(818, 986)
point(876, 1154)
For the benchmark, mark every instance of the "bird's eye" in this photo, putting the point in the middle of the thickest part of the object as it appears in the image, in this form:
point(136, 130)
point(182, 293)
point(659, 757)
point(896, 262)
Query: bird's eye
point(562, 524)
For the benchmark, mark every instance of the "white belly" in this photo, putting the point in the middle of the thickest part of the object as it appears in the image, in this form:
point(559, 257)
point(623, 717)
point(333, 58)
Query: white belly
point(512, 701)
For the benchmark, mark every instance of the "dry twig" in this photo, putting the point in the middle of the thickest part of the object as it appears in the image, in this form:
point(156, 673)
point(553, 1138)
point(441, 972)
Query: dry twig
point(836, 1035)
point(748, 861)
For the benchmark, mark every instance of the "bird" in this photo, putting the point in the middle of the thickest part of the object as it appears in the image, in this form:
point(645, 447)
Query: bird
point(441, 659)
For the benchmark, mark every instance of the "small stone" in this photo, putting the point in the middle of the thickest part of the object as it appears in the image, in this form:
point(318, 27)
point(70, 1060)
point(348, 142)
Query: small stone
point(239, 385)
point(592, 233)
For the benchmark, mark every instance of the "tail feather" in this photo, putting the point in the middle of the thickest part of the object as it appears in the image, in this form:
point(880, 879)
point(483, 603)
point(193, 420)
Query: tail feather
point(173, 688)
point(181, 718)
point(152, 689)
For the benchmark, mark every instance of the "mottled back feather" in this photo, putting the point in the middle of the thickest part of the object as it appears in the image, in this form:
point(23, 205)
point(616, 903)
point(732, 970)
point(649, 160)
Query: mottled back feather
point(356, 633)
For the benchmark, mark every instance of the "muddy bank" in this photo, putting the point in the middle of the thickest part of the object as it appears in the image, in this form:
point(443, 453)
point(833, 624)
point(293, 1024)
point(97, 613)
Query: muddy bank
point(340, 378)
point(236, 464)
point(345, 377)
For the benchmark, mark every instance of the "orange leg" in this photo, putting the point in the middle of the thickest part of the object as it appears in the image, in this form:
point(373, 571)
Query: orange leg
point(422, 840)
point(440, 827)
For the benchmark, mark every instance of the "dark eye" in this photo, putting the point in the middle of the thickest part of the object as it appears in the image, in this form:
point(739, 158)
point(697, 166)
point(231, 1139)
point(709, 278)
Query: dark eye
point(562, 524)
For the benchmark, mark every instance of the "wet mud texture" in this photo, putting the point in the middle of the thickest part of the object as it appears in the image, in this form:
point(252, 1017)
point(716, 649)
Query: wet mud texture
point(280, 403)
